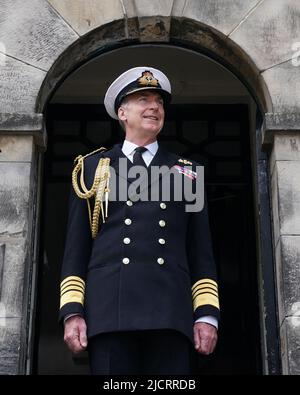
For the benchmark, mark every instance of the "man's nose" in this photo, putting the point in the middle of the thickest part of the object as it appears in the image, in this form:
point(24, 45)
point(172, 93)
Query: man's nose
point(154, 105)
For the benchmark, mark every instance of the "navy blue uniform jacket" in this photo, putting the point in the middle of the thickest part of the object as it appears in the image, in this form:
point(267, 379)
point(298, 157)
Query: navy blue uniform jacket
point(163, 278)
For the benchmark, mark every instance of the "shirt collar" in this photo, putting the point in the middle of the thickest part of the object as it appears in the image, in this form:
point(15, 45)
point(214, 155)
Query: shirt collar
point(129, 147)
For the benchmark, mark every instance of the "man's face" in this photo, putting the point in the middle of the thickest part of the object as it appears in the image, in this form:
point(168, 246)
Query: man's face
point(143, 112)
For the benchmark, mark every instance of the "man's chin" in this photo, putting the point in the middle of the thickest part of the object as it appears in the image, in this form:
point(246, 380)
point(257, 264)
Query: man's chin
point(153, 129)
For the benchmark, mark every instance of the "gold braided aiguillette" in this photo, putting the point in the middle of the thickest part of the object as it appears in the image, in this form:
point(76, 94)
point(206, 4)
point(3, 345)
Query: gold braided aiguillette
point(99, 188)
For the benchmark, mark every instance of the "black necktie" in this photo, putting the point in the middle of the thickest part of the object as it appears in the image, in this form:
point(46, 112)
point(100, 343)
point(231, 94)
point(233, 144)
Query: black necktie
point(138, 158)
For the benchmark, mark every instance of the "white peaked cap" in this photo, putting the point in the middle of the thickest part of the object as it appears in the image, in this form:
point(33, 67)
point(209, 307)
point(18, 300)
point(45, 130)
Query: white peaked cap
point(134, 80)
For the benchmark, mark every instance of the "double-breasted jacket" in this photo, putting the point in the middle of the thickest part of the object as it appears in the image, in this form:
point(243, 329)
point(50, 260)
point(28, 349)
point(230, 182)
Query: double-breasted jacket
point(151, 264)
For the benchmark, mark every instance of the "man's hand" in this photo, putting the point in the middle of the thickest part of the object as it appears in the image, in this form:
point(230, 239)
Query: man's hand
point(75, 334)
point(205, 337)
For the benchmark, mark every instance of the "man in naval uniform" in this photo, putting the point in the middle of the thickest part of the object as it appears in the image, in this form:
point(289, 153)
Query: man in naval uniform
point(138, 284)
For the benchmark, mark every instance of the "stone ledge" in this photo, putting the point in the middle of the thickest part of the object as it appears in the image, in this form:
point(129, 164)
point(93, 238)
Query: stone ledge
point(276, 122)
point(24, 123)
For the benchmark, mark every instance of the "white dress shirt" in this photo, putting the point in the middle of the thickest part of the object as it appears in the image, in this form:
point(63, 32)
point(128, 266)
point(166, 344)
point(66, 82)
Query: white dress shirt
point(129, 147)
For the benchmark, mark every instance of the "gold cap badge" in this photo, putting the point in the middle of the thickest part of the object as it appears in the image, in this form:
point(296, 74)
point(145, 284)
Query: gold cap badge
point(148, 79)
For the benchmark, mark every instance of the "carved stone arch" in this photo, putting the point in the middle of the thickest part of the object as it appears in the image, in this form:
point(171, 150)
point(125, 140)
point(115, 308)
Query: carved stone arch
point(183, 32)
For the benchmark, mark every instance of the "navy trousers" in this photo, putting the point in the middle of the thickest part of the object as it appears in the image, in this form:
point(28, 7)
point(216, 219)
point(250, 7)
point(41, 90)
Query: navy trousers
point(151, 352)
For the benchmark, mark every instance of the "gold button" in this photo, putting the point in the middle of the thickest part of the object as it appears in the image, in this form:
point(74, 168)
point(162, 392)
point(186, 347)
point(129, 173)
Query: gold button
point(128, 221)
point(162, 223)
point(161, 261)
point(126, 240)
point(163, 206)
point(129, 203)
point(161, 241)
point(126, 261)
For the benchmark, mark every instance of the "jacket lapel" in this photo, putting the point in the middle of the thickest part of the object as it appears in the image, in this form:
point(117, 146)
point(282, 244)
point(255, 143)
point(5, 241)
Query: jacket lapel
point(121, 167)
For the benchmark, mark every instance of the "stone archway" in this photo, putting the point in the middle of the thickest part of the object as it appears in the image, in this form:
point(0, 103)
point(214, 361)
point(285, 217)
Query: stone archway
point(182, 32)
point(69, 61)
point(61, 39)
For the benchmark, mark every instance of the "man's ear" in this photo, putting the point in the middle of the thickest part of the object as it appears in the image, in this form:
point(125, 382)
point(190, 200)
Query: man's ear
point(121, 114)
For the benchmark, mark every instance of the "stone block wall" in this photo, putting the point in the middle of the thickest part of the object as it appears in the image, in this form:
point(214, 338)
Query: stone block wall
point(16, 188)
point(285, 170)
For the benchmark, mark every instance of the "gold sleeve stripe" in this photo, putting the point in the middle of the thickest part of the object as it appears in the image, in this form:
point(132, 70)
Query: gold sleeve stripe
point(73, 288)
point(205, 290)
point(72, 284)
point(203, 281)
point(205, 299)
point(205, 285)
point(72, 278)
point(71, 296)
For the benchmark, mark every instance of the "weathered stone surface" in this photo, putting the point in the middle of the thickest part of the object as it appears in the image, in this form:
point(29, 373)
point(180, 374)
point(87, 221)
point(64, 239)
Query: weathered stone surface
point(279, 122)
point(79, 53)
point(222, 15)
point(33, 32)
point(284, 349)
point(16, 148)
point(286, 146)
point(14, 198)
point(282, 121)
point(86, 15)
point(151, 8)
point(138, 8)
point(154, 29)
point(130, 8)
point(19, 86)
point(195, 33)
point(284, 86)
point(288, 196)
point(178, 7)
point(11, 122)
point(275, 205)
point(290, 256)
point(276, 26)
point(21, 125)
point(291, 342)
point(153, 18)
point(288, 276)
point(9, 346)
point(12, 275)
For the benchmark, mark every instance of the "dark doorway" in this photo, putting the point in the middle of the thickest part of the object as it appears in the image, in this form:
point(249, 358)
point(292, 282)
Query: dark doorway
point(216, 136)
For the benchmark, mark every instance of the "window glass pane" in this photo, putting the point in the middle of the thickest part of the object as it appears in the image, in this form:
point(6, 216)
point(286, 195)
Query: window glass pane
point(195, 131)
point(70, 148)
point(66, 128)
point(229, 169)
point(224, 148)
point(97, 131)
point(169, 129)
point(62, 169)
point(227, 128)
